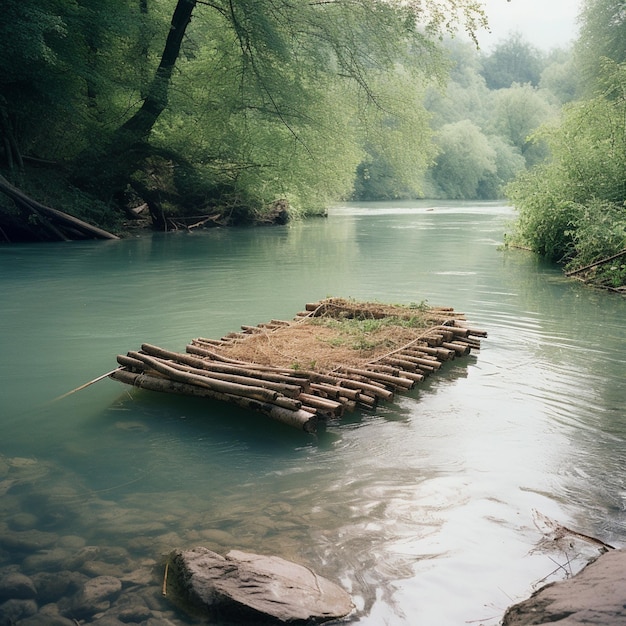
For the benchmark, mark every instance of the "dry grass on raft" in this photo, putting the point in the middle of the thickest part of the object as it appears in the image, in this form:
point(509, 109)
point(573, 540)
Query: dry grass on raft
point(334, 339)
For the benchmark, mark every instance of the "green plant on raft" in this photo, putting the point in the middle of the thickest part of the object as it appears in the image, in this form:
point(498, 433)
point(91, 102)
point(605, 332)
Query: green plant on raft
point(359, 333)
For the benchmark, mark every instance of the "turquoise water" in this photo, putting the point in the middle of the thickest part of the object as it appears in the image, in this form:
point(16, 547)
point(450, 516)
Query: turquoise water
point(424, 510)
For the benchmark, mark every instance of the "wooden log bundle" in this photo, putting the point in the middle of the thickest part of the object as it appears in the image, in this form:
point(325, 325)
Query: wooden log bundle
point(230, 369)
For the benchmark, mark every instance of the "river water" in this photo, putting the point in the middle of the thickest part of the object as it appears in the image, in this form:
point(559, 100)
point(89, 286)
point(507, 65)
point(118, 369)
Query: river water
point(424, 510)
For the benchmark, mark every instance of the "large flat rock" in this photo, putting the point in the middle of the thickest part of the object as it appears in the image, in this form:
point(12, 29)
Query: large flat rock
point(242, 584)
point(596, 595)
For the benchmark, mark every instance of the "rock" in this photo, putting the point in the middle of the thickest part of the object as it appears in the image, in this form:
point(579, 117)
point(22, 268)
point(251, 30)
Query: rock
point(100, 568)
point(23, 521)
point(72, 542)
point(12, 611)
point(42, 619)
point(96, 596)
point(142, 576)
point(253, 586)
point(77, 559)
point(28, 541)
point(596, 595)
point(51, 587)
point(48, 615)
point(135, 615)
point(46, 560)
point(107, 620)
point(4, 467)
point(17, 586)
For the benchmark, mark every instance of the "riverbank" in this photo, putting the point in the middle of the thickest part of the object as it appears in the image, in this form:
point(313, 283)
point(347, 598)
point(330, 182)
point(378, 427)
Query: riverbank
point(596, 595)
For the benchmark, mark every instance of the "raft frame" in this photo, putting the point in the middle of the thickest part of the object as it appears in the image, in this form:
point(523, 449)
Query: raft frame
point(303, 397)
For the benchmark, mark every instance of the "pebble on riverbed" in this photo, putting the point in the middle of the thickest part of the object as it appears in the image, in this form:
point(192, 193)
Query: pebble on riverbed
point(68, 555)
point(49, 577)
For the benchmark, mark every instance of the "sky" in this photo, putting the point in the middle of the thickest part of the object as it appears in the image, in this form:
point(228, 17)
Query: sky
point(546, 24)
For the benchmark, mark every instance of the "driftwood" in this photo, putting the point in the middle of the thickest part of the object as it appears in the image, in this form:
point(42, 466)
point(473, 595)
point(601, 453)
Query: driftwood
point(596, 264)
point(214, 368)
point(59, 226)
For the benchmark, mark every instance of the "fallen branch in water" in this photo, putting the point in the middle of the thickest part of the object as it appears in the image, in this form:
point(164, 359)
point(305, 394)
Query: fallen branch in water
point(600, 262)
point(550, 527)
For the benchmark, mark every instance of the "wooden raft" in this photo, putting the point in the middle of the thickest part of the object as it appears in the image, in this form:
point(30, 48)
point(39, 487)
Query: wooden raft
point(306, 370)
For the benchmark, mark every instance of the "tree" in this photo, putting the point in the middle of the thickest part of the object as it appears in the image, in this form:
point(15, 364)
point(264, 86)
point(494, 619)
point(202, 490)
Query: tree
point(561, 79)
point(602, 35)
point(514, 60)
point(283, 57)
point(465, 158)
point(571, 209)
point(59, 63)
point(193, 104)
point(518, 111)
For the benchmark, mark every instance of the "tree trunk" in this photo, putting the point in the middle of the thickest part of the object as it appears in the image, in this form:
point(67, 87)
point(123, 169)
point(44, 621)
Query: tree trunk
point(59, 226)
point(141, 123)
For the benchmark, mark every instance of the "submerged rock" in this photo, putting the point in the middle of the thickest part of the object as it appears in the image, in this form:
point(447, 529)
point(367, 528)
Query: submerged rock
point(95, 596)
point(251, 586)
point(16, 586)
point(596, 595)
point(13, 610)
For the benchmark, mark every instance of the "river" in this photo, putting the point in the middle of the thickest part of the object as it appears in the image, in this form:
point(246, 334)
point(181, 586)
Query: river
point(424, 510)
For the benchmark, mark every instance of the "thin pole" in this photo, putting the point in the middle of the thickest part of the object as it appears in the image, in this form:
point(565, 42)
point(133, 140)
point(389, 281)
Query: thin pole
point(91, 382)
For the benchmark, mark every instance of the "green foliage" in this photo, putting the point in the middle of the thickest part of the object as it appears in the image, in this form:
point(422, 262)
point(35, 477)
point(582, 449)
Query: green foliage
point(602, 36)
point(465, 158)
point(61, 65)
point(573, 208)
point(268, 99)
point(359, 333)
point(492, 127)
point(600, 232)
point(560, 81)
point(518, 111)
point(513, 61)
point(294, 119)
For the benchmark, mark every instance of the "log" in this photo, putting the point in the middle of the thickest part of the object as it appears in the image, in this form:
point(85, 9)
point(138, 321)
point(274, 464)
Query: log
point(301, 419)
point(63, 218)
point(460, 348)
point(335, 391)
point(373, 389)
point(416, 377)
point(422, 360)
point(269, 374)
point(434, 339)
point(256, 393)
point(336, 409)
point(369, 402)
point(440, 354)
point(402, 363)
point(291, 391)
point(600, 262)
point(210, 342)
point(133, 364)
point(394, 381)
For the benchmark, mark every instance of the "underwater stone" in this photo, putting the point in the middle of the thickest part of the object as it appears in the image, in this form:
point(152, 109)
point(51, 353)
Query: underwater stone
point(17, 586)
point(253, 586)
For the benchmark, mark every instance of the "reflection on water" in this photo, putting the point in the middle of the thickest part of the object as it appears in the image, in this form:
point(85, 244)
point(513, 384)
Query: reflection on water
point(422, 510)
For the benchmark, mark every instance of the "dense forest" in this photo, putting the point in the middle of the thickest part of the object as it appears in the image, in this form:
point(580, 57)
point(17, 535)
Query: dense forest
point(229, 111)
point(186, 113)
